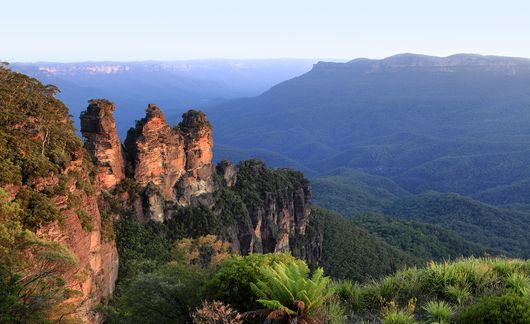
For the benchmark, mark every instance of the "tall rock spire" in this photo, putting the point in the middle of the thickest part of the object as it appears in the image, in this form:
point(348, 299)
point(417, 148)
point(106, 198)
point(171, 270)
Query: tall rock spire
point(197, 133)
point(172, 164)
point(103, 143)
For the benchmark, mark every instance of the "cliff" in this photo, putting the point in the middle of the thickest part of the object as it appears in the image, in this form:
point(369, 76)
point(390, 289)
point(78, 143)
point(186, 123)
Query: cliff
point(57, 254)
point(172, 165)
point(278, 205)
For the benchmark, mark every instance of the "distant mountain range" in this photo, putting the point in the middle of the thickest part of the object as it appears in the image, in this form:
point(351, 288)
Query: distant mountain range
point(176, 86)
point(455, 124)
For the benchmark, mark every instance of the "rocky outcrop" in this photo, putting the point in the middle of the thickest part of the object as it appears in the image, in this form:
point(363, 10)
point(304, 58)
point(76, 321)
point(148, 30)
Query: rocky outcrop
point(196, 185)
point(264, 210)
point(156, 152)
point(228, 172)
point(173, 165)
point(278, 204)
point(103, 143)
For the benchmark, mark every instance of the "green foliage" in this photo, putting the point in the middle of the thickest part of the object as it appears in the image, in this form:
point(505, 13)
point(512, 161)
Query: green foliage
point(37, 138)
point(85, 219)
point(440, 289)
point(496, 229)
point(254, 181)
point(232, 282)
point(167, 295)
point(349, 251)
point(398, 317)
point(508, 308)
point(31, 270)
point(392, 314)
point(439, 311)
point(141, 248)
point(283, 286)
point(423, 241)
point(192, 222)
point(38, 209)
point(350, 192)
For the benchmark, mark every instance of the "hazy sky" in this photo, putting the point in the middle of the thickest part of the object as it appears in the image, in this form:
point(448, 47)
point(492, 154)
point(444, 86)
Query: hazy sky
point(76, 30)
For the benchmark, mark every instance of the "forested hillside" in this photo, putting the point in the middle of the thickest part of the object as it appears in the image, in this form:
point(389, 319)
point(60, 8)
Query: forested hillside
point(455, 124)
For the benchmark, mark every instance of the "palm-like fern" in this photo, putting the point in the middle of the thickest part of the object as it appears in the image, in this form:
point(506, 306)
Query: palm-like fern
point(289, 289)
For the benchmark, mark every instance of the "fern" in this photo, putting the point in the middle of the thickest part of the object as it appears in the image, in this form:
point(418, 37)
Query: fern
point(284, 286)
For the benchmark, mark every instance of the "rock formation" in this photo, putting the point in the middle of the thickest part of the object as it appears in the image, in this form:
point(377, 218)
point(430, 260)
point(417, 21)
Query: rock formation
point(173, 165)
point(97, 269)
point(197, 182)
point(281, 215)
point(103, 143)
point(156, 152)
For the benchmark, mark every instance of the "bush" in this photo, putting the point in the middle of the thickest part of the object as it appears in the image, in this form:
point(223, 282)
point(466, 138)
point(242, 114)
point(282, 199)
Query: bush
point(216, 313)
point(167, 295)
point(231, 283)
point(37, 208)
point(85, 220)
point(439, 311)
point(508, 308)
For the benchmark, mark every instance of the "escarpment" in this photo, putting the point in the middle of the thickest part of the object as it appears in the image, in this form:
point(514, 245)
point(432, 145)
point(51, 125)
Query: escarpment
point(54, 248)
point(278, 204)
point(259, 210)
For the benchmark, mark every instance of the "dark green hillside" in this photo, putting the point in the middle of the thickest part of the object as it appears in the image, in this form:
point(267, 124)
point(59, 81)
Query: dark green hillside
point(348, 191)
point(423, 241)
point(515, 193)
point(469, 174)
point(349, 251)
point(477, 222)
point(456, 124)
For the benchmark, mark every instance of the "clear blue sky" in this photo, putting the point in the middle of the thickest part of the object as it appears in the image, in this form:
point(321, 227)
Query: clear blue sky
point(78, 30)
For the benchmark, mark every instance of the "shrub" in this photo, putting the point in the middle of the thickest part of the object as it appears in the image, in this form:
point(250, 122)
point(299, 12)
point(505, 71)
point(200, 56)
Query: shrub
point(231, 283)
point(167, 295)
point(508, 308)
point(86, 220)
point(37, 208)
point(351, 293)
point(439, 311)
point(392, 314)
point(204, 251)
point(216, 312)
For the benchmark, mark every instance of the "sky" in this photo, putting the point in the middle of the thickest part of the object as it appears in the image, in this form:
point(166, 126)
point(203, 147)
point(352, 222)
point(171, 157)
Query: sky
point(131, 30)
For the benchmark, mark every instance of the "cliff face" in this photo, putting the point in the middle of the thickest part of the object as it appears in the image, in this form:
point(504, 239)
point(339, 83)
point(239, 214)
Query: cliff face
point(97, 269)
point(278, 204)
point(172, 165)
point(45, 177)
point(103, 143)
point(197, 184)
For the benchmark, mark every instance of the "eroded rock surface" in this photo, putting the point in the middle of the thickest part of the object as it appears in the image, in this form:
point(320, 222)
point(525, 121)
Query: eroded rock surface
point(103, 143)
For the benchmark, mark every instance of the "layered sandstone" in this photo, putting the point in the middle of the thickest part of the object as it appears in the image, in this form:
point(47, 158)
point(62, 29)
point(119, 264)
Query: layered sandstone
point(103, 143)
point(157, 152)
point(279, 210)
point(197, 181)
point(173, 165)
